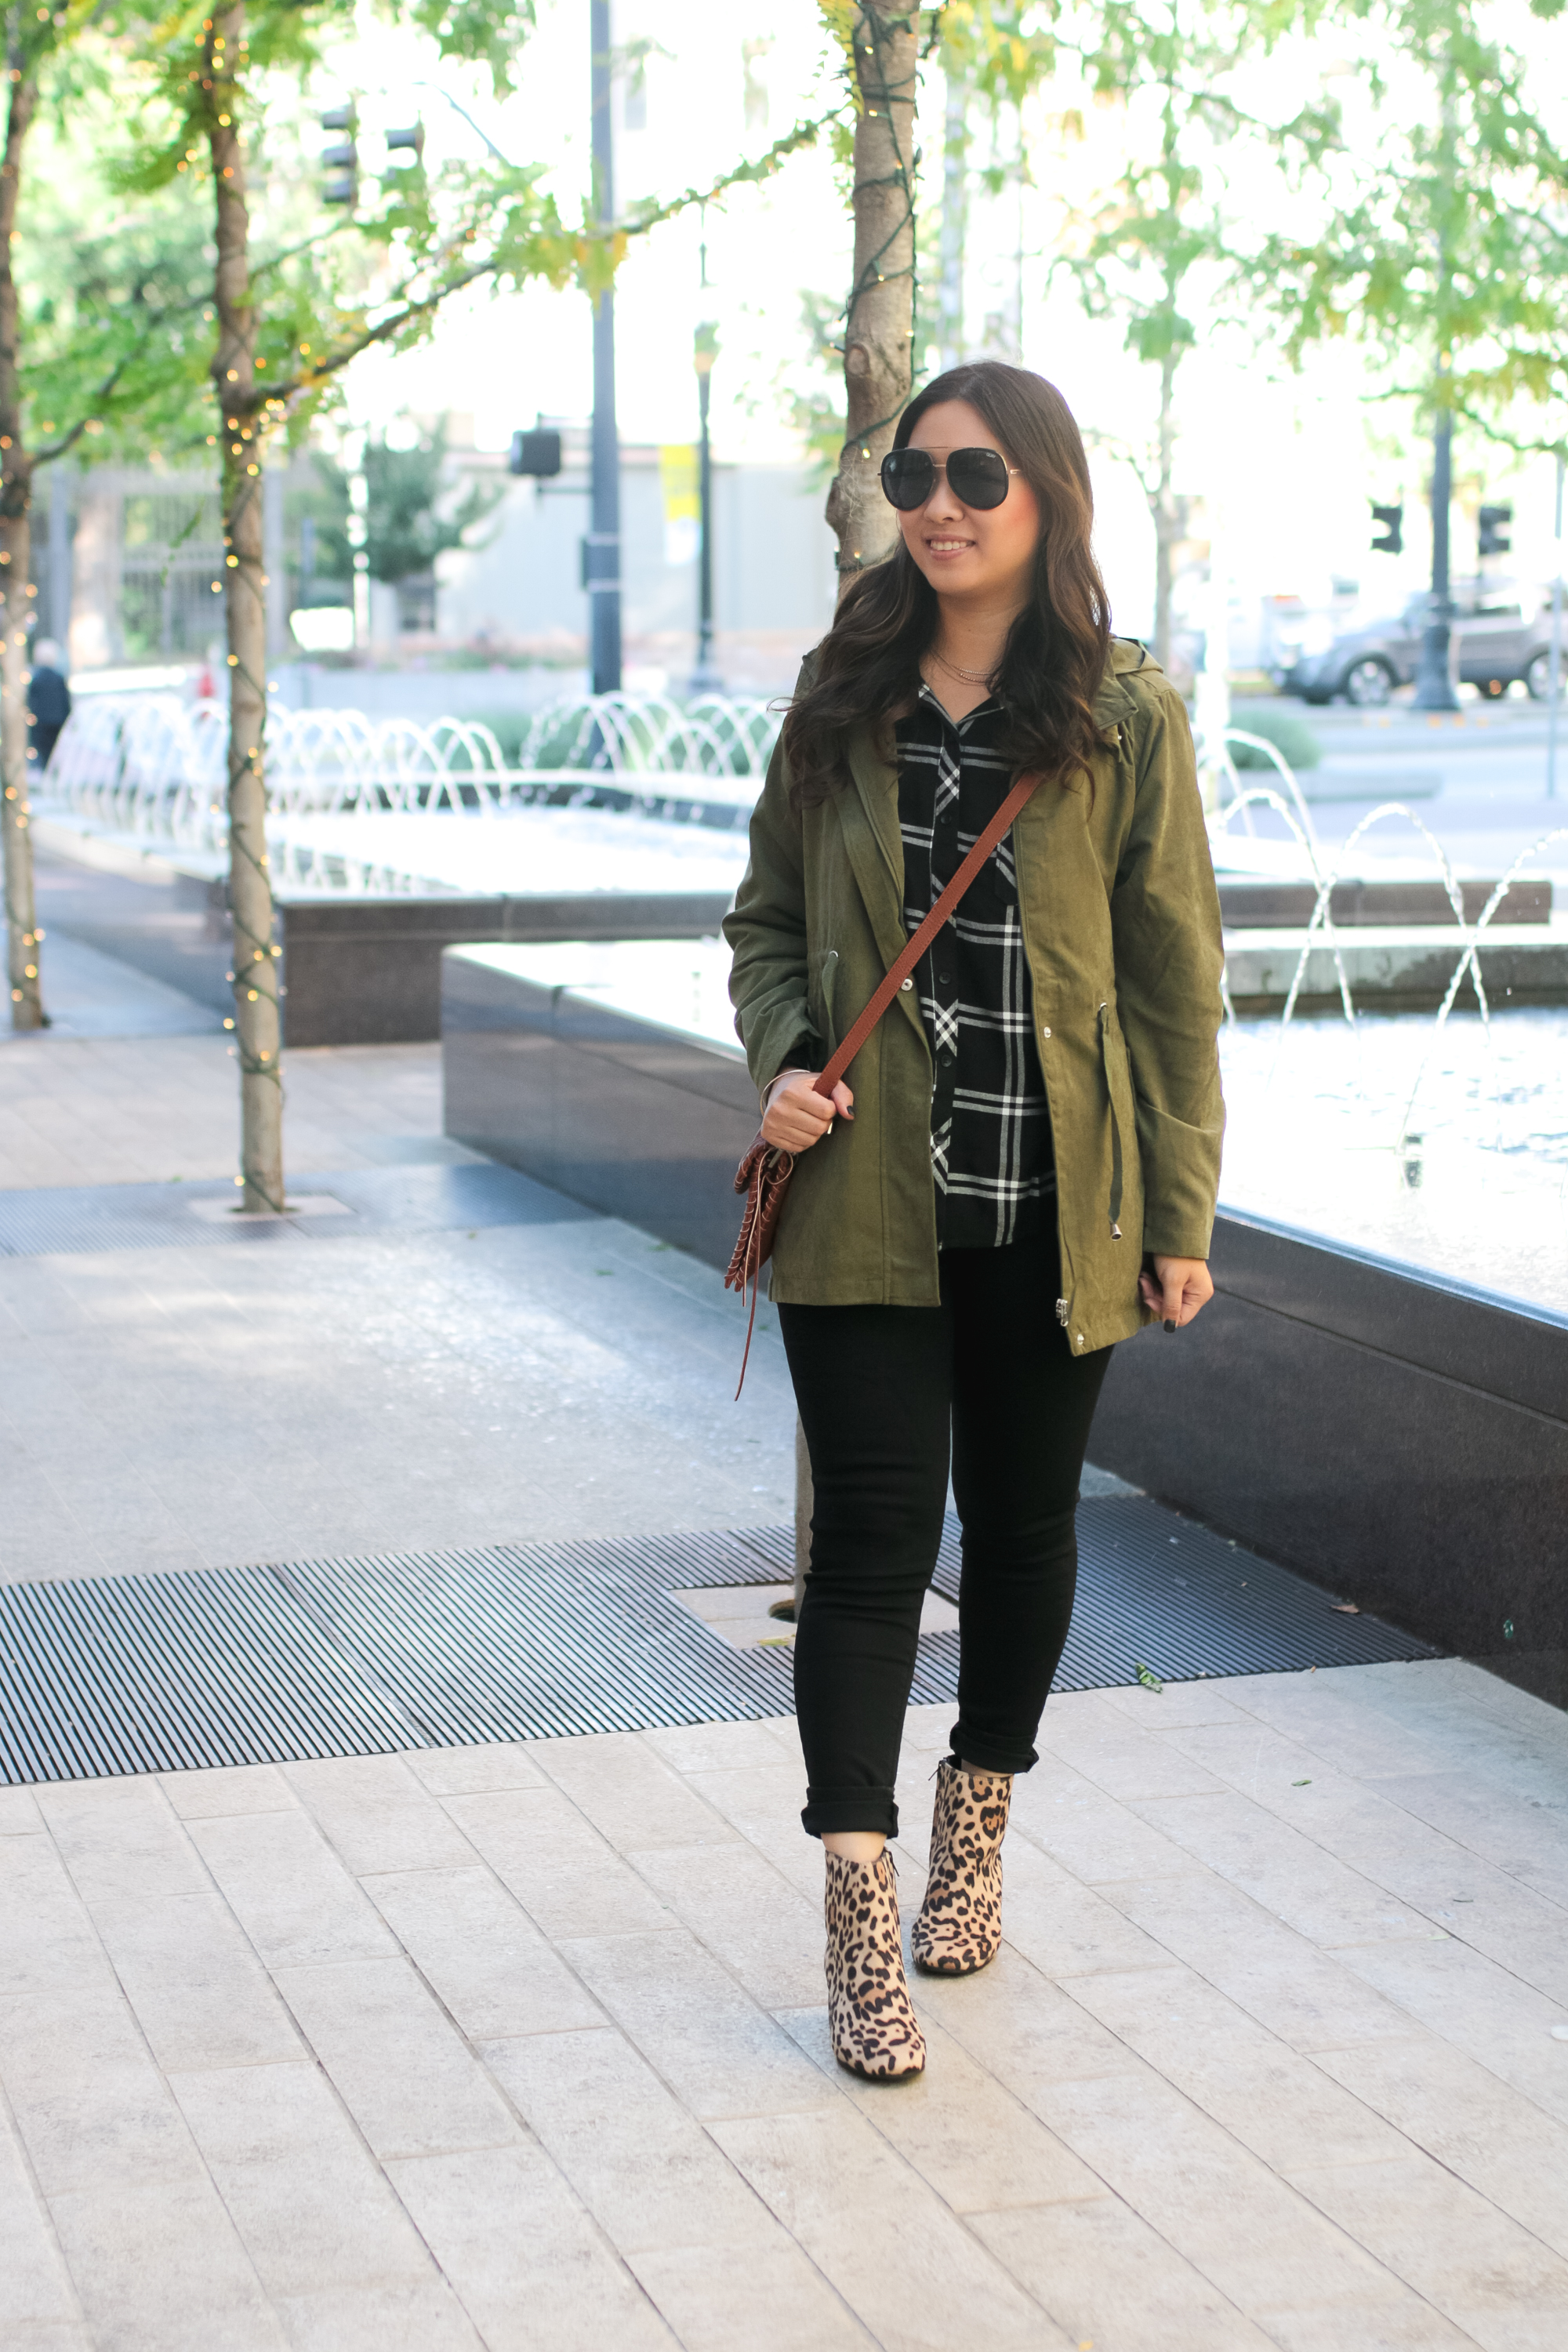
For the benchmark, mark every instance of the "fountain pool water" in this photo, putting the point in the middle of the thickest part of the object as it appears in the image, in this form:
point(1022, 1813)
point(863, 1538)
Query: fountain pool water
point(1447, 1148)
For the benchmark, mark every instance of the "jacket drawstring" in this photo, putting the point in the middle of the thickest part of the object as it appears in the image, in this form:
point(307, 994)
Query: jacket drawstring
point(1115, 1124)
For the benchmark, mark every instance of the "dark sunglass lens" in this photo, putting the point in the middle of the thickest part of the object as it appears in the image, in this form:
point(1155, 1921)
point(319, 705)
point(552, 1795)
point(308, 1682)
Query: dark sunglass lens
point(978, 477)
point(907, 478)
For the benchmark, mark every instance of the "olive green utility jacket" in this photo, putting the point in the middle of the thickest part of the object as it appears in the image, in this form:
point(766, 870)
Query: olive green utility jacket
point(1121, 927)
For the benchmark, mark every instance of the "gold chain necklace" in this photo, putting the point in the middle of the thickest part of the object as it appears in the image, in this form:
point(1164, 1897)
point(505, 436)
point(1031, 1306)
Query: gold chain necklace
point(970, 677)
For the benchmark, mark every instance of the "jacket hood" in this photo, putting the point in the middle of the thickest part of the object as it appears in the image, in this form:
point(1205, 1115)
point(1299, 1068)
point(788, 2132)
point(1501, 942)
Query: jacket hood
point(1115, 701)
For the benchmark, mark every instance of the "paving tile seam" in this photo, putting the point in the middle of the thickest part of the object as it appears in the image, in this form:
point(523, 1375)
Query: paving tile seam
point(701, 2124)
point(1444, 2309)
point(1415, 2142)
point(1370, 1778)
point(1108, 2186)
point(1285, 2182)
point(42, 2208)
point(1404, 2134)
point(1141, 1807)
point(378, 2165)
point(561, 1948)
point(46, 2200)
point(1122, 2196)
point(1065, 1979)
point(1424, 2033)
point(307, 2053)
point(1428, 2033)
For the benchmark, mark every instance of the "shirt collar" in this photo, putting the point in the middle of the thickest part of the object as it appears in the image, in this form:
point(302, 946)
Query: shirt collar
point(985, 710)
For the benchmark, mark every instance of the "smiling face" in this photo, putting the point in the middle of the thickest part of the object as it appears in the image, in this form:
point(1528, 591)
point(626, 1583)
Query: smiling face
point(984, 556)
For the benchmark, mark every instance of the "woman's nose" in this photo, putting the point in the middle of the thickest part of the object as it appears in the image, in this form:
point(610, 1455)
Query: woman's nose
point(942, 506)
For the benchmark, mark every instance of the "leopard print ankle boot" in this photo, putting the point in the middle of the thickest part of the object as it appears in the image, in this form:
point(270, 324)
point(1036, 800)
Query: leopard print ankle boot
point(870, 2016)
point(959, 1925)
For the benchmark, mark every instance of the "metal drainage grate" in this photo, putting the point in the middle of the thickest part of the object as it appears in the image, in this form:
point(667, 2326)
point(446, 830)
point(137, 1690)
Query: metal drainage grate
point(354, 1657)
point(68, 1219)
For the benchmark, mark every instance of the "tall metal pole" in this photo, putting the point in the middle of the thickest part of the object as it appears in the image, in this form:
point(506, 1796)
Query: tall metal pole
point(1554, 706)
point(705, 679)
point(601, 548)
point(1434, 688)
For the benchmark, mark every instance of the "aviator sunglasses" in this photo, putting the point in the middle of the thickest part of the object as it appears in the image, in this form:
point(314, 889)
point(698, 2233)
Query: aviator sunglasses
point(977, 478)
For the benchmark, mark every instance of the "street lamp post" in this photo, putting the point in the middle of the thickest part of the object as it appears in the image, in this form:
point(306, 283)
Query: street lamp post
point(705, 678)
point(1556, 704)
point(359, 534)
point(1433, 687)
point(601, 548)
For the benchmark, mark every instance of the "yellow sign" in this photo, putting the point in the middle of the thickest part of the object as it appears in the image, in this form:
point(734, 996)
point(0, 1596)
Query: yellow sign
point(678, 479)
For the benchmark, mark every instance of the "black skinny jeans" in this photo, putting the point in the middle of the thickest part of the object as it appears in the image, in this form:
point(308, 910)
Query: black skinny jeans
point(883, 1392)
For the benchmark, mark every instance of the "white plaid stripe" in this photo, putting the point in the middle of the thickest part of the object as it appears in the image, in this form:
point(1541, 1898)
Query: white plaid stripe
point(991, 1142)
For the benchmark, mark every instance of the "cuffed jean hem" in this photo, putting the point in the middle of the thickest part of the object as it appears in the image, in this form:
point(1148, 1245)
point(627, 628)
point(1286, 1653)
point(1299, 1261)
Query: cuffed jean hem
point(993, 1755)
point(833, 1810)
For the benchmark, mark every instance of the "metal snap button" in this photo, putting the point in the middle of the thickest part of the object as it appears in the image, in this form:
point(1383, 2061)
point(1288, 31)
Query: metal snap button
point(1045, 1032)
point(906, 983)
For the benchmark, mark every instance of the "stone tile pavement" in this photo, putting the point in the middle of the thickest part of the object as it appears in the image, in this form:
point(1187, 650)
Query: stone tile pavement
point(190, 1407)
point(154, 1109)
point(203, 1407)
point(526, 2047)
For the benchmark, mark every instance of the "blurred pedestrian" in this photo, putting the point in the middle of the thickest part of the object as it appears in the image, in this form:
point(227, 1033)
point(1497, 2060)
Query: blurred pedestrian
point(1026, 1168)
point(48, 698)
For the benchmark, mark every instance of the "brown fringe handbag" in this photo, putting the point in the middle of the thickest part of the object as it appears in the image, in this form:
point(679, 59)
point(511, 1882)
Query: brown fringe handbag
point(764, 1174)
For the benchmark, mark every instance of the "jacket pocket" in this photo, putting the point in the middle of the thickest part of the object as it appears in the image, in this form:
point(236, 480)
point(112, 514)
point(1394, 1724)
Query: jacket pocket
point(822, 973)
point(1123, 1115)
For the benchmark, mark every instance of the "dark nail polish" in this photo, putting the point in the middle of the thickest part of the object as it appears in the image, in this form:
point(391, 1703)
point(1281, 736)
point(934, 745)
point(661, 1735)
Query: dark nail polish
point(1169, 1326)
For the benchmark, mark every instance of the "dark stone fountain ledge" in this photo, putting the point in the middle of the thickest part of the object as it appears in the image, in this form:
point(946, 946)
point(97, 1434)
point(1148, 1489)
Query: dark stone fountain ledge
point(1397, 1437)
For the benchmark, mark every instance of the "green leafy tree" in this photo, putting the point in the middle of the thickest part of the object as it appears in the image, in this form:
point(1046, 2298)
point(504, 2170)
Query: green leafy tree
point(284, 337)
point(405, 527)
point(996, 56)
point(1438, 244)
point(1163, 243)
point(1438, 237)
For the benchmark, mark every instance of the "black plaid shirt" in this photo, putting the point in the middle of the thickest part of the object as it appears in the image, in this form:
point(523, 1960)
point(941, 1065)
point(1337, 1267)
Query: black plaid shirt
point(990, 1130)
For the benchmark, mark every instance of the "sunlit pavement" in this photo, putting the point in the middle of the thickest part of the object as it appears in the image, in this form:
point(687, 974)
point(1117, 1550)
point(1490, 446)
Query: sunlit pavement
point(523, 2044)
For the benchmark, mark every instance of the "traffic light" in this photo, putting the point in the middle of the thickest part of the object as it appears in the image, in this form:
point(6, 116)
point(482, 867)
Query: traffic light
point(1391, 521)
point(413, 138)
point(537, 453)
point(1492, 539)
point(340, 162)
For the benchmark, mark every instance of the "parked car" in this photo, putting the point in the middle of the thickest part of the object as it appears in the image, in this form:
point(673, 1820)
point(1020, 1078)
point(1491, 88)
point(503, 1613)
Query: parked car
point(1501, 636)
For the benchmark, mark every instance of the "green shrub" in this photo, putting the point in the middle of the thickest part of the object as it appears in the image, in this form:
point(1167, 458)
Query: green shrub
point(1286, 729)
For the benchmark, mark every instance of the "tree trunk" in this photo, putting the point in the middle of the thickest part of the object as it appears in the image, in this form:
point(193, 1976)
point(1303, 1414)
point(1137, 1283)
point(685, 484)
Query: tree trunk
point(954, 219)
point(257, 1023)
point(22, 934)
point(880, 317)
point(877, 373)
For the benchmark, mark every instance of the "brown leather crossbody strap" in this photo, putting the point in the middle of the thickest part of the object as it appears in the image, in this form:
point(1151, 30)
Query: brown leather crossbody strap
point(921, 939)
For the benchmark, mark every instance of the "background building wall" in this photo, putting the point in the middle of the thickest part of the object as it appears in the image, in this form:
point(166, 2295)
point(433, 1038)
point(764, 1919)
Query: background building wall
point(774, 582)
point(143, 549)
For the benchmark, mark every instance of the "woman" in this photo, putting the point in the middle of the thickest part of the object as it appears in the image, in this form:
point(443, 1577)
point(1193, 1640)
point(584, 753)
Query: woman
point(1024, 1171)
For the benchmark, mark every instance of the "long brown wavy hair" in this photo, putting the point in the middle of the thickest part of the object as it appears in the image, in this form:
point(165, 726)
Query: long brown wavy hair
point(868, 666)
